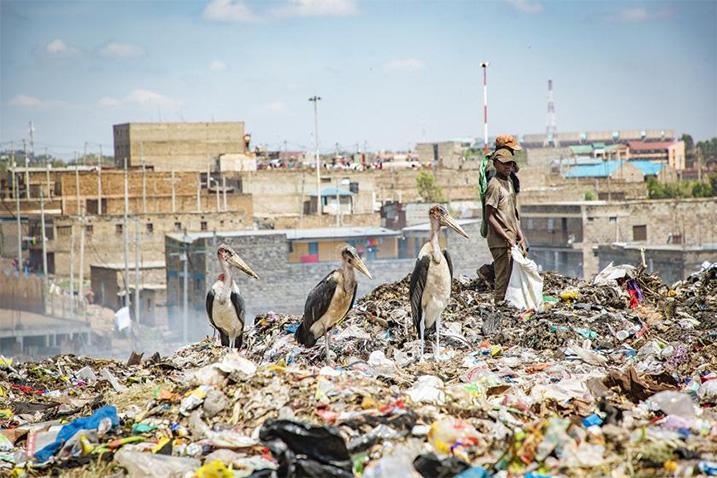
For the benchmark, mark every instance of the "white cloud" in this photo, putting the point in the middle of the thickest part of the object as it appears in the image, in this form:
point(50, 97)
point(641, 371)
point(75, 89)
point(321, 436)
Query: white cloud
point(121, 50)
point(217, 65)
point(141, 97)
point(640, 14)
point(276, 107)
point(109, 103)
point(405, 65)
point(525, 6)
point(32, 102)
point(317, 8)
point(58, 47)
point(228, 11)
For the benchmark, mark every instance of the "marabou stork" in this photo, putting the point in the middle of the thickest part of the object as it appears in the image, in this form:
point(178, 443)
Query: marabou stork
point(330, 301)
point(430, 286)
point(225, 306)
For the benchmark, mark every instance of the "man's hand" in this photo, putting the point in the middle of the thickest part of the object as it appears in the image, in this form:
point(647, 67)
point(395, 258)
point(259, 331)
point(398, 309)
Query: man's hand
point(511, 243)
point(524, 246)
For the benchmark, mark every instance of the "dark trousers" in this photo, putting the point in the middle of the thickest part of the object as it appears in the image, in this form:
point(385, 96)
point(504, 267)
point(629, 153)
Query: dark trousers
point(503, 264)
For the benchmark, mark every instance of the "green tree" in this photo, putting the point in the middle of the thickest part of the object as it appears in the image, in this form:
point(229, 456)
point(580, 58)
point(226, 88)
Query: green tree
point(590, 196)
point(428, 189)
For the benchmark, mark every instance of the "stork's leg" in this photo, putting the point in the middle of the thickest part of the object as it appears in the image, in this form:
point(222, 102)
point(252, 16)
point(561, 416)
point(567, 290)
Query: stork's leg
point(437, 352)
point(422, 326)
point(328, 348)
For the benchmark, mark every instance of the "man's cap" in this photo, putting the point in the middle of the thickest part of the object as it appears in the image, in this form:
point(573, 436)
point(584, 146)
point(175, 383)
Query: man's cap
point(504, 155)
point(507, 141)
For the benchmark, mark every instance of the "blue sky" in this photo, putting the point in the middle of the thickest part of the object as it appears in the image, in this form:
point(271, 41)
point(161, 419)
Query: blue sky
point(390, 73)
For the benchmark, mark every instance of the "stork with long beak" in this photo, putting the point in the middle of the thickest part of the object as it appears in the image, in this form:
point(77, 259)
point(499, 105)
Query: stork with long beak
point(225, 305)
point(330, 301)
point(430, 287)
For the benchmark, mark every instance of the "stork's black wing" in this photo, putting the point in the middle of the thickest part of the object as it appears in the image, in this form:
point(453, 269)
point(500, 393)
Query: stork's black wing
point(238, 303)
point(415, 290)
point(353, 298)
point(316, 306)
point(449, 261)
point(210, 304)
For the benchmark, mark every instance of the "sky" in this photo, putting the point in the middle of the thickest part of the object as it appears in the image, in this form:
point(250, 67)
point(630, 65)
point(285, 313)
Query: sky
point(390, 73)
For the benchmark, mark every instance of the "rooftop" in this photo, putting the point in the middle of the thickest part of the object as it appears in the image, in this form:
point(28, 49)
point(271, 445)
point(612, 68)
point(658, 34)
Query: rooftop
point(427, 226)
point(598, 170)
point(119, 266)
point(661, 247)
point(649, 145)
point(295, 234)
point(333, 192)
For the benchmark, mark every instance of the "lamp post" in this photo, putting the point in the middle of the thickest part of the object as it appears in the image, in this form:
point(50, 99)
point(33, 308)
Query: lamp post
point(315, 100)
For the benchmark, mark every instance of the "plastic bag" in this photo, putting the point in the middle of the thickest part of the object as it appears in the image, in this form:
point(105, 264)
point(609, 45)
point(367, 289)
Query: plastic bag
point(148, 465)
point(673, 403)
point(610, 274)
point(525, 289)
point(430, 466)
point(305, 450)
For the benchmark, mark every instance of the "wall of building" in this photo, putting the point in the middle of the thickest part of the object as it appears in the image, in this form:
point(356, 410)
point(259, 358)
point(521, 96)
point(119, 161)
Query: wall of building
point(296, 221)
point(178, 146)
point(106, 282)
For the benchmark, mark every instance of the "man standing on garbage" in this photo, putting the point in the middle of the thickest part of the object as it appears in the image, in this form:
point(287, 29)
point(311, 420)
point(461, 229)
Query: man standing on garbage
point(504, 230)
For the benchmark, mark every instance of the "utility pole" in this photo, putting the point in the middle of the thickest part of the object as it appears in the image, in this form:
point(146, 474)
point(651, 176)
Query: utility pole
point(126, 239)
point(185, 285)
point(199, 193)
point(44, 242)
point(216, 182)
point(81, 274)
point(484, 65)
point(17, 214)
point(77, 186)
point(174, 195)
point(47, 174)
point(99, 184)
point(72, 269)
point(137, 283)
point(338, 202)
point(27, 170)
point(315, 99)
point(224, 192)
point(144, 182)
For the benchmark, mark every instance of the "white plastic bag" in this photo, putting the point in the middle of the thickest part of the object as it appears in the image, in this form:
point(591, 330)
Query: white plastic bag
point(525, 289)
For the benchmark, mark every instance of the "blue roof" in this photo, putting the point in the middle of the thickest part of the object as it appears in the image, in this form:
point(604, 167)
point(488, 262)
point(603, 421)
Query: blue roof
point(332, 192)
point(600, 170)
point(648, 168)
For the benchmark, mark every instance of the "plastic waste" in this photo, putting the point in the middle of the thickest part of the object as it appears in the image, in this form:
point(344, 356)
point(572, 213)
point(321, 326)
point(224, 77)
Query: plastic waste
point(452, 435)
point(214, 469)
point(475, 472)
point(708, 392)
point(427, 389)
point(214, 403)
point(305, 450)
point(398, 463)
point(610, 274)
point(148, 465)
point(709, 468)
point(430, 466)
point(107, 414)
point(673, 403)
point(592, 420)
point(525, 288)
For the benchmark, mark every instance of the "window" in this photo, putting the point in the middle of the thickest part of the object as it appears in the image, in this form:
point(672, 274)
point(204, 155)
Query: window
point(551, 224)
point(89, 229)
point(613, 219)
point(118, 229)
point(291, 247)
point(177, 227)
point(639, 233)
point(203, 225)
point(150, 227)
point(313, 248)
point(63, 231)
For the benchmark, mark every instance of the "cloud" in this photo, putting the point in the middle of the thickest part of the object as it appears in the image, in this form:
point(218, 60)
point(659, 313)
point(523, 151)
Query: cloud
point(121, 50)
point(525, 6)
point(639, 14)
point(228, 11)
point(276, 107)
point(317, 8)
point(217, 65)
point(58, 47)
point(141, 97)
point(404, 65)
point(32, 102)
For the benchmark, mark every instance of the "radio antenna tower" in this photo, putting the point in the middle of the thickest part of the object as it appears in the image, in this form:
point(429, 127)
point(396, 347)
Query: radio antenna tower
point(550, 128)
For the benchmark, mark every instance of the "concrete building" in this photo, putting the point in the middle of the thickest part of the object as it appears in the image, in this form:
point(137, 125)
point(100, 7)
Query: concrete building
point(446, 154)
point(107, 281)
point(670, 152)
point(564, 236)
point(672, 262)
point(613, 169)
point(177, 146)
point(284, 285)
point(323, 244)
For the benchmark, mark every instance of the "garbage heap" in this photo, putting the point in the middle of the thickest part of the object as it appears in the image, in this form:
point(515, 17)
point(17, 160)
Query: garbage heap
point(611, 379)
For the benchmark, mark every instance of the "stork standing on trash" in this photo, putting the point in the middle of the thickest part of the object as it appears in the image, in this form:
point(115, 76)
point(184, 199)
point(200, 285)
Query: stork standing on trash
point(225, 305)
point(430, 287)
point(330, 301)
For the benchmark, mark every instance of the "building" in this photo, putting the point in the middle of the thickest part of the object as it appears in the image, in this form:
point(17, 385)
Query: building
point(566, 139)
point(446, 154)
point(672, 262)
point(177, 146)
point(613, 169)
point(414, 237)
point(107, 280)
point(322, 244)
point(563, 236)
point(670, 152)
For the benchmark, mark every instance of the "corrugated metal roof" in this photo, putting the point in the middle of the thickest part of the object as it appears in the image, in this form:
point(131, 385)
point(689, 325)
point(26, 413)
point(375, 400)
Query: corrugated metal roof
point(600, 170)
point(427, 227)
point(120, 265)
point(649, 145)
point(648, 168)
point(296, 234)
point(582, 149)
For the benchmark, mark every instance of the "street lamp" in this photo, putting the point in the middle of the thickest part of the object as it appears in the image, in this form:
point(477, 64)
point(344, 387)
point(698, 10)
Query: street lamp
point(315, 100)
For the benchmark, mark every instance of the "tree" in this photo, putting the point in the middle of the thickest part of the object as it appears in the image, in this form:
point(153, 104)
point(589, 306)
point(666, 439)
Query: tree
point(428, 189)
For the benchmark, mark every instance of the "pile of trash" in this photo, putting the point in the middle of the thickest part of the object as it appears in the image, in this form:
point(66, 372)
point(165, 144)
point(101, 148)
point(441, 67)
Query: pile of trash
point(615, 377)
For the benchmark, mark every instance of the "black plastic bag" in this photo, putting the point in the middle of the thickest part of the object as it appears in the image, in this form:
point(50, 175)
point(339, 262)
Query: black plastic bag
point(306, 451)
point(430, 466)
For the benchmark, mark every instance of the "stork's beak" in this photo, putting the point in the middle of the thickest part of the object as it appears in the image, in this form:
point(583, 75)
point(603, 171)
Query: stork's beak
point(450, 222)
point(239, 263)
point(359, 264)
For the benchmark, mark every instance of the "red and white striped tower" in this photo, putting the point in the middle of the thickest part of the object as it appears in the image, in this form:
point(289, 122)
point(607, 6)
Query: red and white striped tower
point(484, 65)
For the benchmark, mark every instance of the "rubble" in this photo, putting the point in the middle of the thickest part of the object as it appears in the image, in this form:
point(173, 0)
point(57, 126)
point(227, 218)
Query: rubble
point(601, 382)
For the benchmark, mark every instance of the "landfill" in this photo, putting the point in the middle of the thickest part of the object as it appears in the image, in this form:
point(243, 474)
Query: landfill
point(613, 377)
